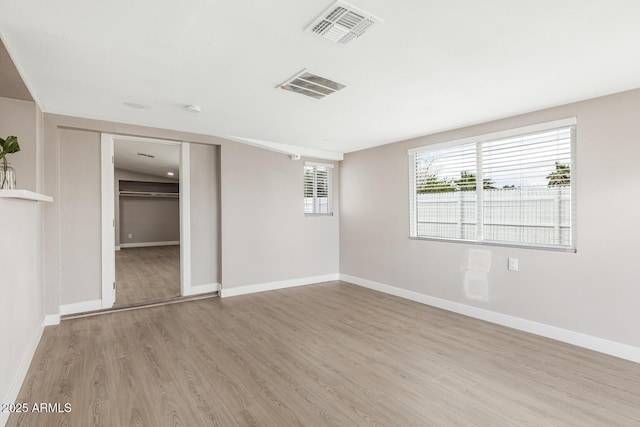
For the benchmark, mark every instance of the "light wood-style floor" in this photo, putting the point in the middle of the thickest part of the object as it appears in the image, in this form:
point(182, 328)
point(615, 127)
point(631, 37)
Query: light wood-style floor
point(331, 354)
point(146, 275)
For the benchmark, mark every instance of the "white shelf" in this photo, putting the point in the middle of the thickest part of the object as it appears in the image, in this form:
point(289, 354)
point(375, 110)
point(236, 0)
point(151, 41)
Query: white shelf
point(25, 195)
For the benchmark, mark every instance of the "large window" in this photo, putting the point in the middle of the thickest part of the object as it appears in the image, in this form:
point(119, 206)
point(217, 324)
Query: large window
point(512, 188)
point(318, 188)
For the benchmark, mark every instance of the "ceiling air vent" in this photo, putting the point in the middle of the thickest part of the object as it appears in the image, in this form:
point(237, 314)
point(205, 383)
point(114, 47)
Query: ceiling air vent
point(309, 84)
point(342, 23)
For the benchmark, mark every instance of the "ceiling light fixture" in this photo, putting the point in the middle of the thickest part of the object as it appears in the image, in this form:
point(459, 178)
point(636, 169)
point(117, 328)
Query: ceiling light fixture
point(193, 108)
point(170, 173)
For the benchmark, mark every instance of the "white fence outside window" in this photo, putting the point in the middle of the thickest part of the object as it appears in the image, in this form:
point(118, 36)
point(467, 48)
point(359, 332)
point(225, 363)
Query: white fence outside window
point(529, 215)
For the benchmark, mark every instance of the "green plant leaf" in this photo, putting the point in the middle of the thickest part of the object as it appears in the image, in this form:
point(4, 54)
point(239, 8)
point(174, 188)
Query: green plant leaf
point(10, 145)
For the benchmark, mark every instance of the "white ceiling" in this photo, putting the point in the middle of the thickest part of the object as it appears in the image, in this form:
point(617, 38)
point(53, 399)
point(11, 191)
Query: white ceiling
point(167, 158)
point(430, 66)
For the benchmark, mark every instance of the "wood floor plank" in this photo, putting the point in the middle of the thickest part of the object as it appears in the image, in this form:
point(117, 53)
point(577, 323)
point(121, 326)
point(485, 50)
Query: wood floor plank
point(147, 274)
point(331, 354)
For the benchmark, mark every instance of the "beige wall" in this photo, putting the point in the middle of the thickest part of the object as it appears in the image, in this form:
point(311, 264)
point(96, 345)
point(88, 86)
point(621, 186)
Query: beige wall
point(149, 220)
point(165, 214)
point(594, 291)
point(205, 214)
point(79, 203)
point(264, 234)
point(11, 83)
point(19, 118)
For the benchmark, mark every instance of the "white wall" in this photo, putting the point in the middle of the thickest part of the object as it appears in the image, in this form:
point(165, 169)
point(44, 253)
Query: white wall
point(593, 292)
point(21, 280)
point(21, 307)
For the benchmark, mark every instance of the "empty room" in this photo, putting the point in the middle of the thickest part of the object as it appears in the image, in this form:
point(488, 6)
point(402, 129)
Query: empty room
point(281, 213)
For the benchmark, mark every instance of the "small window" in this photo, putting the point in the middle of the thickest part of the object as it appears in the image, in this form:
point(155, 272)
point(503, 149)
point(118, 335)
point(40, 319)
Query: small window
point(318, 188)
point(510, 188)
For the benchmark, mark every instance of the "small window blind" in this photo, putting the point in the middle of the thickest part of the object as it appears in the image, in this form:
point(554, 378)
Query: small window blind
point(318, 188)
point(515, 188)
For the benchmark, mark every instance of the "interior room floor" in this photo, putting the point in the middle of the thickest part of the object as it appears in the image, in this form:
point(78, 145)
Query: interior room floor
point(328, 354)
point(147, 274)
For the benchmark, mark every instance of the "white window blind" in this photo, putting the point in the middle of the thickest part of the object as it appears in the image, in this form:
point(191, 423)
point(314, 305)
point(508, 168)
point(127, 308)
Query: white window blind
point(318, 188)
point(446, 202)
point(527, 195)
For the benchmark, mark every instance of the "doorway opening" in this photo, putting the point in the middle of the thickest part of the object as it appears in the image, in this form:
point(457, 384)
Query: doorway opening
point(147, 221)
point(139, 212)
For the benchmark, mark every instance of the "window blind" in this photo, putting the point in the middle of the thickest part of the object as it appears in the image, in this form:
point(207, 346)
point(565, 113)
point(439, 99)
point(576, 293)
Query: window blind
point(318, 188)
point(514, 188)
point(529, 200)
point(444, 193)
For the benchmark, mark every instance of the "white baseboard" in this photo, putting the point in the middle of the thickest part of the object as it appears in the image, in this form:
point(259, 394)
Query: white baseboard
point(51, 320)
point(147, 244)
point(81, 307)
point(623, 351)
point(21, 373)
point(270, 286)
point(201, 289)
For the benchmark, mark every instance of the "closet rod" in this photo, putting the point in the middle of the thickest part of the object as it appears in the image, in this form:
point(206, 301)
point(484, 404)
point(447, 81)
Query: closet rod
point(149, 194)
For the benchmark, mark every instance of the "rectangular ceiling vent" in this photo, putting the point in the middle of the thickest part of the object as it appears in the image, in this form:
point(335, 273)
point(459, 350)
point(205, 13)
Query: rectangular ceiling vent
point(342, 23)
point(309, 84)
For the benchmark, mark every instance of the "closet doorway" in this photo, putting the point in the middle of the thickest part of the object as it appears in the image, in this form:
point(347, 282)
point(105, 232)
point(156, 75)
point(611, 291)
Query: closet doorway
point(198, 238)
point(147, 221)
point(139, 199)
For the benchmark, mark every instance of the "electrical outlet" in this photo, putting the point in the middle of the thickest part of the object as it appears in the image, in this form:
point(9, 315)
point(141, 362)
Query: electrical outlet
point(130, 236)
point(513, 264)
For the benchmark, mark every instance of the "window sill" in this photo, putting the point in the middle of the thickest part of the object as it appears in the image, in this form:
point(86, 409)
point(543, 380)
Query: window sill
point(504, 245)
point(318, 214)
